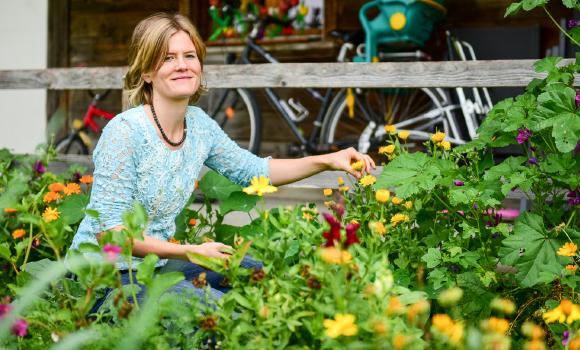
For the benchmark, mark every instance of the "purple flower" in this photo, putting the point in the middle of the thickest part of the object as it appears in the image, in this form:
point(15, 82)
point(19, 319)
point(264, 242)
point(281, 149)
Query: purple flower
point(565, 338)
point(523, 135)
point(4, 310)
point(577, 148)
point(112, 251)
point(578, 98)
point(573, 198)
point(20, 328)
point(495, 235)
point(494, 218)
point(458, 183)
point(533, 161)
point(38, 167)
point(76, 176)
point(573, 23)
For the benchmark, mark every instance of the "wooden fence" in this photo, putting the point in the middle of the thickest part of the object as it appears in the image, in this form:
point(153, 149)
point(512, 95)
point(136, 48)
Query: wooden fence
point(447, 74)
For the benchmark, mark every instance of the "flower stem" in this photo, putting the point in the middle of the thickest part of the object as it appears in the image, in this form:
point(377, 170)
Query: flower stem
point(558, 25)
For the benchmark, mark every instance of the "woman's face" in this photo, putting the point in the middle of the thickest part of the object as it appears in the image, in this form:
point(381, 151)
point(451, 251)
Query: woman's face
point(179, 75)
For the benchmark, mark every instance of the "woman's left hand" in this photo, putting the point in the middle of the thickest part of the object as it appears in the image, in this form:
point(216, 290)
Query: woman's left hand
point(342, 160)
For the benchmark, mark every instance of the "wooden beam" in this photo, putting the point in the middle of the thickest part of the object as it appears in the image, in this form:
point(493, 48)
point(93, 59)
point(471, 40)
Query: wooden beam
point(499, 73)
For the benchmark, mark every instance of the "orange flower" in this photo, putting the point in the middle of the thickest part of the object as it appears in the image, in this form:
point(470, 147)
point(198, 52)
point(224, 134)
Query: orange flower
point(174, 241)
point(192, 221)
point(56, 187)
point(86, 179)
point(51, 197)
point(10, 210)
point(571, 267)
point(19, 233)
point(72, 188)
point(50, 214)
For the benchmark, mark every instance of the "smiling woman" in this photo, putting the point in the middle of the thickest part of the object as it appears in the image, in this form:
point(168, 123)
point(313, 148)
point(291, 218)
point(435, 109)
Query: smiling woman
point(153, 153)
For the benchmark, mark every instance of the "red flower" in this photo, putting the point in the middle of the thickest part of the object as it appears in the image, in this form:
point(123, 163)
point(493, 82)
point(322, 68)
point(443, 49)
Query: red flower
point(351, 237)
point(333, 235)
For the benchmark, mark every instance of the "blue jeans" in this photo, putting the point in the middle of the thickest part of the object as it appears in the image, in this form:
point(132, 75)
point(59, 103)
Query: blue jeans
point(190, 271)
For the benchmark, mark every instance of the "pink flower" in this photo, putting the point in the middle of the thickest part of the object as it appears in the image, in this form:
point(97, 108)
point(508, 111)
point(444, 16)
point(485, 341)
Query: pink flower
point(458, 183)
point(523, 135)
point(112, 251)
point(20, 328)
point(578, 98)
point(4, 310)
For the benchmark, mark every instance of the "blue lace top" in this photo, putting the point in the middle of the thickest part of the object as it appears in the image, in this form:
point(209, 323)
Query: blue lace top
point(133, 164)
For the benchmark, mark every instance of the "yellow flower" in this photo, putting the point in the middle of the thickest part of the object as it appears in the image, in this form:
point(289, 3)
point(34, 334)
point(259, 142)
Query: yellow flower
point(568, 249)
point(343, 324)
point(382, 195)
point(395, 307)
point(408, 204)
point(504, 306)
point(378, 227)
point(329, 204)
point(387, 149)
point(327, 192)
point(445, 325)
point(404, 135)
point(496, 325)
point(72, 188)
point(532, 330)
point(50, 214)
point(51, 197)
point(10, 210)
point(19, 233)
point(340, 181)
point(333, 255)
point(571, 267)
point(307, 216)
point(399, 342)
point(358, 166)
point(368, 180)
point(390, 129)
point(86, 179)
point(398, 218)
point(446, 145)
point(354, 221)
point(344, 189)
point(259, 186)
point(396, 200)
point(565, 312)
point(56, 187)
point(438, 137)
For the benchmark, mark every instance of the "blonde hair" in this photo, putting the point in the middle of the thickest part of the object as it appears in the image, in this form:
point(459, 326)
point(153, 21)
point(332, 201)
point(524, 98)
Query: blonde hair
point(149, 45)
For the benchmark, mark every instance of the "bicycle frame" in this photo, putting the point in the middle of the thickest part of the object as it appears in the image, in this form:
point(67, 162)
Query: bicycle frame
point(92, 112)
point(311, 144)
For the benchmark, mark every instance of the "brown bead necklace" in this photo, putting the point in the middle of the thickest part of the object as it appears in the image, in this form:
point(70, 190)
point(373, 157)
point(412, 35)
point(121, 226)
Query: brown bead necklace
point(174, 144)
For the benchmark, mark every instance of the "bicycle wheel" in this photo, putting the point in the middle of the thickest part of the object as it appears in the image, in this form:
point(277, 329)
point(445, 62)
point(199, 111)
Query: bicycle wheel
point(71, 144)
point(418, 110)
point(236, 111)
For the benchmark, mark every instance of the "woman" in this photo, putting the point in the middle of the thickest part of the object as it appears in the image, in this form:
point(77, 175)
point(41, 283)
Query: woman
point(153, 152)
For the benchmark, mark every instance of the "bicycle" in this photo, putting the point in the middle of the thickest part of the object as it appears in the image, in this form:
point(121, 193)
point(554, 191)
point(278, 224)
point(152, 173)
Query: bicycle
point(78, 141)
point(336, 126)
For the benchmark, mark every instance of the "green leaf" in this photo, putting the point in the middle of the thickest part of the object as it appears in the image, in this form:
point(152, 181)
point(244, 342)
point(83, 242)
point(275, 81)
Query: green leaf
point(571, 4)
point(5, 251)
point(547, 64)
point(146, 269)
point(292, 250)
point(532, 4)
point(530, 250)
point(410, 173)
point(15, 188)
point(432, 258)
point(72, 209)
point(462, 195)
point(566, 131)
point(215, 264)
point(238, 201)
point(217, 186)
point(40, 267)
point(558, 98)
point(513, 9)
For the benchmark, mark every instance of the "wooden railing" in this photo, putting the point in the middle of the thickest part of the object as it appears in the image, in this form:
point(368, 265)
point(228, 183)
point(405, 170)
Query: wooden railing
point(498, 73)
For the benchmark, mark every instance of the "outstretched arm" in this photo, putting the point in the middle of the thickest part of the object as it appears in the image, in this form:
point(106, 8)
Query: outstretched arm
point(284, 171)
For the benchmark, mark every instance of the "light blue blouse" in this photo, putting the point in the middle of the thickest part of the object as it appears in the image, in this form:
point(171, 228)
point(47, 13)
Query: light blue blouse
point(133, 164)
